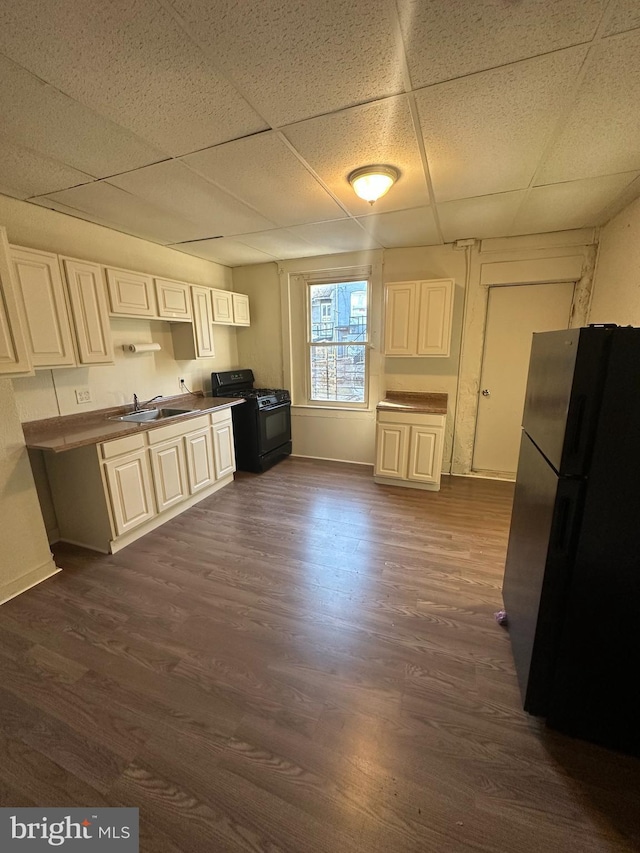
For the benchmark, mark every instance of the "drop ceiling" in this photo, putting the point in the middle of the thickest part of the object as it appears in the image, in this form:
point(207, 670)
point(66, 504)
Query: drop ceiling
point(227, 131)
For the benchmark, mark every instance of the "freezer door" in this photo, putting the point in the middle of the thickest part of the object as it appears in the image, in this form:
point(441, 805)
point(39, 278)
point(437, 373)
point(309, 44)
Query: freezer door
point(542, 539)
point(564, 388)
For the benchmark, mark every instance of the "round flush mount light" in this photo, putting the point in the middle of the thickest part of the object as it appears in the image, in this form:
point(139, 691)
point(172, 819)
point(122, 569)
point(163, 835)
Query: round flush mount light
point(372, 182)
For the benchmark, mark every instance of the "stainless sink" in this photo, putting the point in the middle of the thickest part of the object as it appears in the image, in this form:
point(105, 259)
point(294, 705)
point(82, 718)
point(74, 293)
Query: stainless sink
point(151, 415)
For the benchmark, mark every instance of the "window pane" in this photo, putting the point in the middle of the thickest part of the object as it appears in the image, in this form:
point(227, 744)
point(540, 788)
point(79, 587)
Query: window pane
point(338, 373)
point(338, 312)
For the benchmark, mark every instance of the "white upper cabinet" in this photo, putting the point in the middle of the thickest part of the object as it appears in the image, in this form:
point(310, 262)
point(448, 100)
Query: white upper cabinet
point(131, 293)
point(418, 318)
point(14, 355)
point(202, 320)
point(229, 308)
point(195, 340)
point(44, 308)
point(400, 319)
point(222, 306)
point(89, 311)
point(173, 298)
point(241, 315)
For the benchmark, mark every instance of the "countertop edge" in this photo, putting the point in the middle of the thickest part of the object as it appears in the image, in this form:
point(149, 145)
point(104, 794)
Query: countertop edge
point(36, 439)
point(435, 403)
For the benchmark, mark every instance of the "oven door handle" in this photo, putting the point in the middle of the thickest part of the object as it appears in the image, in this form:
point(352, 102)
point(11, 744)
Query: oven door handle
point(276, 407)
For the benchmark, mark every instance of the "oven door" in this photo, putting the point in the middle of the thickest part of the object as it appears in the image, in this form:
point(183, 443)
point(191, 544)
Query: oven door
point(274, 427)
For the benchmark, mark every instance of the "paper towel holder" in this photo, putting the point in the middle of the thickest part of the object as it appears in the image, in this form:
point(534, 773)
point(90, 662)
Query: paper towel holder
point(142, 347)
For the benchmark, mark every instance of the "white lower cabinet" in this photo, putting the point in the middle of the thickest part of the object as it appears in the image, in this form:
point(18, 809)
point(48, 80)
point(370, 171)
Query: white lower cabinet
point(169, 466)
point(409, 450)
point(200, 465)
point(130, 490)
point(223, 449)
point(107, 495)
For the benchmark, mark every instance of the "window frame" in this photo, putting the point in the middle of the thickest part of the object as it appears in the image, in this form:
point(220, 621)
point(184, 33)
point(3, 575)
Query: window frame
point(310, 345)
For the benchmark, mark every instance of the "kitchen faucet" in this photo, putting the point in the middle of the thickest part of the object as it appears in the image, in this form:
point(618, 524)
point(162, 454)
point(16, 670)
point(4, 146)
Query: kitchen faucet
point(136, 405)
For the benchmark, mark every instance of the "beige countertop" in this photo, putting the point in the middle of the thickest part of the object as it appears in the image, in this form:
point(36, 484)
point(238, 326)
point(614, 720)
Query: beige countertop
point(70, 431)
point(413, 401)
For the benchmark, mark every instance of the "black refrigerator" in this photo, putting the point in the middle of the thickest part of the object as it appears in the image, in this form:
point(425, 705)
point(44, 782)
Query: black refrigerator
point(572, 575)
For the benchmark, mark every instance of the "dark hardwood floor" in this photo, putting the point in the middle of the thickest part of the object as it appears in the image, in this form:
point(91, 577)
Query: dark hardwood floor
point(303, 662)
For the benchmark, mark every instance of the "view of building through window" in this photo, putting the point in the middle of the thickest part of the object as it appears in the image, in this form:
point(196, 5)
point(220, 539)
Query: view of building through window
point(337, 341)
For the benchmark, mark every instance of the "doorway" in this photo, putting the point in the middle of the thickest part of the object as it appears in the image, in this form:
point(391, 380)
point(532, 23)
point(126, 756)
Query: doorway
point(514, 313)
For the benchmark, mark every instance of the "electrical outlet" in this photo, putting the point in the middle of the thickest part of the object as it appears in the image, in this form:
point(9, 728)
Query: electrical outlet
point(181, 384)
point(83, 395)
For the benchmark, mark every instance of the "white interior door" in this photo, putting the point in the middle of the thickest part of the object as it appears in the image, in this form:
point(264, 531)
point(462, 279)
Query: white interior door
point(514, 313)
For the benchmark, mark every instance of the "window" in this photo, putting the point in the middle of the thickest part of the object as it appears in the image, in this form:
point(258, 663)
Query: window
point(337, 341)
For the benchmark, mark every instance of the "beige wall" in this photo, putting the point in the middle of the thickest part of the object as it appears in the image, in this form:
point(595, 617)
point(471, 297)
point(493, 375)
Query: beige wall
point(349, 436)
point(25, 558)
point(52, 392)
point(260, 345)
point(616, 289)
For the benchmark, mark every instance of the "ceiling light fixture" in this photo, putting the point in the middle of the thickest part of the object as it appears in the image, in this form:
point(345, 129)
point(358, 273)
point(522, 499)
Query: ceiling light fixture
point(372, 182)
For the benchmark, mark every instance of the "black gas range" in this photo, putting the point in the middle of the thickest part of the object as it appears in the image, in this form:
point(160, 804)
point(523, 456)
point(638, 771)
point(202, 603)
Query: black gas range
point(262, 426)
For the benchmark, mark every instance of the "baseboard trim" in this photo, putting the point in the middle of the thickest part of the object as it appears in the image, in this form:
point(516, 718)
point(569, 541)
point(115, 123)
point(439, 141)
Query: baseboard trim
point(330, 459)
point(482, 475)
point(31, 579)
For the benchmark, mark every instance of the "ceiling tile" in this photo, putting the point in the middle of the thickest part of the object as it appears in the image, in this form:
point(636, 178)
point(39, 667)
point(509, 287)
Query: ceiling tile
point(265, 173)
point(109, 205)
point(224, 251)
point(177, 190)
point(135, 66)
point(399, 228)
point(602, 132)
point(342, 236)
point(486, 216)
point(44, 120)
point(295, 60)
point(375, 133)
point(24, 173)
point(575, 204)
point(625, 16)
point(280, 243)
point(445, 40)
point(485, 134)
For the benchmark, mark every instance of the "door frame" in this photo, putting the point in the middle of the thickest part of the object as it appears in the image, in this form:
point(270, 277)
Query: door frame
point(490, 267)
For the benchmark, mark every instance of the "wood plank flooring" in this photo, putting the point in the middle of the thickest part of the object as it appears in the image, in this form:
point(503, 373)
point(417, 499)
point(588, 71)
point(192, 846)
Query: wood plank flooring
point(304, 662)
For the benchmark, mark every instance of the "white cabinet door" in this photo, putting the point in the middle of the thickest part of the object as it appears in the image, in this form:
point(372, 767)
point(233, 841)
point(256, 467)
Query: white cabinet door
point(434, 317)
point(131, 293)
point(89, 310)
point(222, 306)
point(223, 449)
point(174, 302)
point(241, 316)
point(392, 441)
point(130, 491)
point(400, 318)
point(418, 317)
point(44, 309)
point(425, 454)
point(14, 356)
point(200, 464)
point(202, 320)
point(169, 466)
